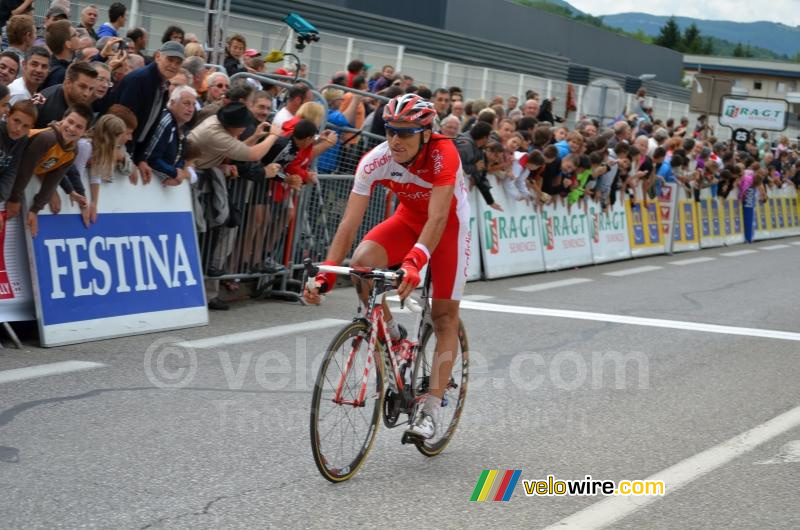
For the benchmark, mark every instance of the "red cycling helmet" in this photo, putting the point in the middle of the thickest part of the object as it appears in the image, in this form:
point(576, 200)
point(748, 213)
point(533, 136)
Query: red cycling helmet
point(409, 108)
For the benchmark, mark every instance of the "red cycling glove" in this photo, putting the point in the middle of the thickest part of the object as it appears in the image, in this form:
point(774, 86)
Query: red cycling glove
point(414, 261)
point(326, 280)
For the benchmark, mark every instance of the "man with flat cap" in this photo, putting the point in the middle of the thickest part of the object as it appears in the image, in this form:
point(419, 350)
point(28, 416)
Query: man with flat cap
point(144, 91)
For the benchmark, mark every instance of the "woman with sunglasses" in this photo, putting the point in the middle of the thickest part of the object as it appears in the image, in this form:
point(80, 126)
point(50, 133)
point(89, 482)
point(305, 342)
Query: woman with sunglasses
point(430, 224)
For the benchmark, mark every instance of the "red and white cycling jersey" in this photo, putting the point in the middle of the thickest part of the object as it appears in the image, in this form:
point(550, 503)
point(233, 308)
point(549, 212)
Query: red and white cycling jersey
point(438, 164)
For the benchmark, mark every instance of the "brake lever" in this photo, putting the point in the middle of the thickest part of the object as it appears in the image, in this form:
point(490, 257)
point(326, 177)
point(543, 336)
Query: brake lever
point(400, 274)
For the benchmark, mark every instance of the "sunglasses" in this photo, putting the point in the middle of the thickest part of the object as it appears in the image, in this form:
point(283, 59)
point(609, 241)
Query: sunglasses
point(403, 133)
point(221, 86)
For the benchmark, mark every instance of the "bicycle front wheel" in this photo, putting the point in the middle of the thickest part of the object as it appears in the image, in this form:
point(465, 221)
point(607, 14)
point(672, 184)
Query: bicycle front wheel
point(346, 405)
point(447, 416)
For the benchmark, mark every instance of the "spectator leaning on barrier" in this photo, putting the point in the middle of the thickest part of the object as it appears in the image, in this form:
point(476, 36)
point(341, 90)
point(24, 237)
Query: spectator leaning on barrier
point(97, 157)
point(470, 148)
point(164, 153)
point(117, 13)
point(48, 155)
point(21, 34)
point(34, 71)
point(144, 92)
point(89, 19)
point(13, 141)
point(125, 167)
point(296, 96)
point(328, 162)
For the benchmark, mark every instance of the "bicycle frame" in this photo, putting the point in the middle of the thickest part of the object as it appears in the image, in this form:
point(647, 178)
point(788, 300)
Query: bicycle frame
point(377, 327)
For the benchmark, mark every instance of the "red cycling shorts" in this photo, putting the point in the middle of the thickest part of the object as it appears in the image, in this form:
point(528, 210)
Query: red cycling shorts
point(449, 260)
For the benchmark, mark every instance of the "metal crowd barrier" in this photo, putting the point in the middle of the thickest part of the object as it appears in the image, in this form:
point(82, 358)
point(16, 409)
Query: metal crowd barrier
point(320, 211)
point(271, 79)
point(251, 241)
point(269, 230)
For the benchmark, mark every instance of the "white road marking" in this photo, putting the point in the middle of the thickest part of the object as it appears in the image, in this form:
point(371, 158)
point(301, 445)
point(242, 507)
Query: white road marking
point(260, 334)
point(635, 321)
point(635, 270)
point(691, 261)
point(788, 454)
point(796, 243)
point(612, 509)
point(43, 370)
point(738, 253)
point(773, 247)
point(477, 297)
point(550, 285)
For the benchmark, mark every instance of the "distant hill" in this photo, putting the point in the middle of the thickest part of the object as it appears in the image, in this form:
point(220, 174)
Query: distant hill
point(778, 38)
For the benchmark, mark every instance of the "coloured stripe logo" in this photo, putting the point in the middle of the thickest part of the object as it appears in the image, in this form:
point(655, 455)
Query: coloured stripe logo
point(496, 485)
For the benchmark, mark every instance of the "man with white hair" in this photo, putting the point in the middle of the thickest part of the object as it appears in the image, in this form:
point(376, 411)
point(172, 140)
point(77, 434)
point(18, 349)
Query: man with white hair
point(531, 108)
point(89, 19)
point(164, 152)
point(660, 136)
point(451, 126)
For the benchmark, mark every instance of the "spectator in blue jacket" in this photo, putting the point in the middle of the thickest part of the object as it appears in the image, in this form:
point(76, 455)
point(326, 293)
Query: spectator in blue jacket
point(329, 160)
point(144, 92)
point(167, 146)
point(117, 13)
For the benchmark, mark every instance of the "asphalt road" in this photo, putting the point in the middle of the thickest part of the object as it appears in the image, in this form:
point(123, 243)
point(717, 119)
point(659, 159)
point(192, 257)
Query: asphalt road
point(594, 391)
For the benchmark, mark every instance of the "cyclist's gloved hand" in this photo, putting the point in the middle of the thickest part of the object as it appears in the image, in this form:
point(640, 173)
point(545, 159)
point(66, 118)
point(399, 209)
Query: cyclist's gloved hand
point(326, 280)
point(414, 261)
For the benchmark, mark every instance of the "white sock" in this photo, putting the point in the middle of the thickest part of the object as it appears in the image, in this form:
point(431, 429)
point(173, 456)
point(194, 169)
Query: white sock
point(431, 404)
point(394, 329)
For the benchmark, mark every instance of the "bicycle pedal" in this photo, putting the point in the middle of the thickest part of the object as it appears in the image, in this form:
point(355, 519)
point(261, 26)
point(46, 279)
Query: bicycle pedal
point(409, 438)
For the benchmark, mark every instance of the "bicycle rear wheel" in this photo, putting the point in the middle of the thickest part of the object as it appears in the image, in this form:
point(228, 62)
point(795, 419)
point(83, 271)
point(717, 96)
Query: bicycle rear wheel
point(447, 416)
point(343, 431)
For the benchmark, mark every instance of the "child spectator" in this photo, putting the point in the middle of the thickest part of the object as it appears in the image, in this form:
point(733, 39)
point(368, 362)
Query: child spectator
point(48, 155)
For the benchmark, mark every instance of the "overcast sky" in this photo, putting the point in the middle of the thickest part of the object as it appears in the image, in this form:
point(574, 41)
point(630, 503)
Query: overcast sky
point(786, 11)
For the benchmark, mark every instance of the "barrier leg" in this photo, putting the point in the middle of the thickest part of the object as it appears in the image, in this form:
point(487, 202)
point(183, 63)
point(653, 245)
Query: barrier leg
point(12, 335)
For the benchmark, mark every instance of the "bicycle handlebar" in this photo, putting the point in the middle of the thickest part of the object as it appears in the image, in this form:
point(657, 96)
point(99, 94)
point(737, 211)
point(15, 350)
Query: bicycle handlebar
point(363, 272)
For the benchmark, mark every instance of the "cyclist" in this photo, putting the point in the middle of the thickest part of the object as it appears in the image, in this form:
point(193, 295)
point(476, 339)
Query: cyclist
point(430, 224)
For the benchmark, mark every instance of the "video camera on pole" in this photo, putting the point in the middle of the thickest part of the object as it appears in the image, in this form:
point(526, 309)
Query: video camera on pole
point(306, 33)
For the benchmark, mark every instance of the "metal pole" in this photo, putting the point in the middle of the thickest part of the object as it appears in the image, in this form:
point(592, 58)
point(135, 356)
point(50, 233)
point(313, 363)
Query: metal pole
point(603, 99)
point(401, 50)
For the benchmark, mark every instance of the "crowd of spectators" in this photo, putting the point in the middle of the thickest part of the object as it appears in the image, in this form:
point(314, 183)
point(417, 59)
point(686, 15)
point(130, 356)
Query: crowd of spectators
point(84, 102)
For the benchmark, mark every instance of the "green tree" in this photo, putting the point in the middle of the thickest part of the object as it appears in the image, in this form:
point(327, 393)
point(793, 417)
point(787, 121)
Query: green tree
point(669, 36)
point(692, 41)
point(708, 47)
point(743, 51)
